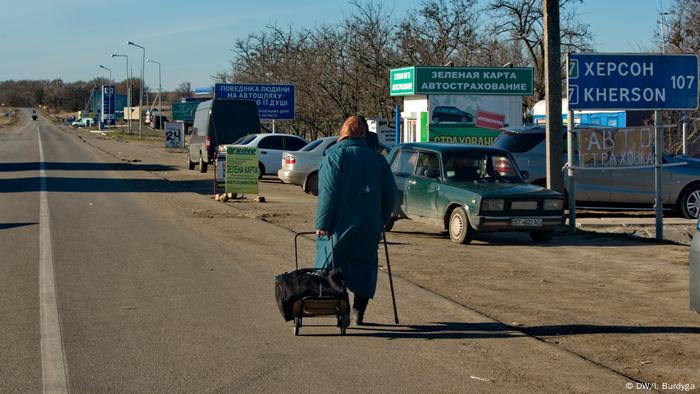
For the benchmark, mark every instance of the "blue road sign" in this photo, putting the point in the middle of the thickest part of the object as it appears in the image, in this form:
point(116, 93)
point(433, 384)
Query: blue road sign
point(108, 105)
point(274, 101)
point(634, 82)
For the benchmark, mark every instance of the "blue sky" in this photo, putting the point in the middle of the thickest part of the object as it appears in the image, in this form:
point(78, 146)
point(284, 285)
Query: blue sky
point(69, 39)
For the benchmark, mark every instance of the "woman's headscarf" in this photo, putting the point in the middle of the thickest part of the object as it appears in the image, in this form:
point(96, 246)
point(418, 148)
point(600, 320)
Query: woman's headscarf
point(353, 127)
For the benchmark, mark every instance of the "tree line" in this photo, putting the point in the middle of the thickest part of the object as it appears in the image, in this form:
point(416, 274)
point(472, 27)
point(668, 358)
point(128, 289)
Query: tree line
point(343, 68)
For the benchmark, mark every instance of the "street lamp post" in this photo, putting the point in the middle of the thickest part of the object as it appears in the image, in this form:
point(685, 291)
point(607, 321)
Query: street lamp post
point(128, 88)
point(143, 66)
point(108, 69)
point(160, 110)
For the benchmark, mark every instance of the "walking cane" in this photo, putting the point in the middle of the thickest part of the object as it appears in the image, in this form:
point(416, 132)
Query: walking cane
point(391, 281)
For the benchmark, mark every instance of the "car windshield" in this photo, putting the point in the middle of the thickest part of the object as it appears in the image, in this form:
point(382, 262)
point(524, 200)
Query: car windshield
point(311, 146)
point(480, 166)
point(244, 140)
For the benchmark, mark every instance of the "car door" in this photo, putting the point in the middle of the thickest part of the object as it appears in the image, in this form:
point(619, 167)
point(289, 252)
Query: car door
point(403, 164)
point(592, 184)
point(420, 195)
point(636, 185)
point(271, 147)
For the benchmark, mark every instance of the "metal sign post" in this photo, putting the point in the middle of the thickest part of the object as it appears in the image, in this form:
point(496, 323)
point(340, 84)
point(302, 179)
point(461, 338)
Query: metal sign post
point(658, 161)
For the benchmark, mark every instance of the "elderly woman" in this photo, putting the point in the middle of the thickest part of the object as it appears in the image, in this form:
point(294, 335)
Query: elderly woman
point(356, 192)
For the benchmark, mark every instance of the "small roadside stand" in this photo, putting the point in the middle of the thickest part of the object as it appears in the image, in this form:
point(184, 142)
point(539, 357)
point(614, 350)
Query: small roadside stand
point(237, 171)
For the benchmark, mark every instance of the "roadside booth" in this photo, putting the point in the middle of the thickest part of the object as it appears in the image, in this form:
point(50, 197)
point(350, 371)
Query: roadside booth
point(460, 104)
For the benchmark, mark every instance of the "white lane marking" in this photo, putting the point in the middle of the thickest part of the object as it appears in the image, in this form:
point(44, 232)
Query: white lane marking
point(53, 366)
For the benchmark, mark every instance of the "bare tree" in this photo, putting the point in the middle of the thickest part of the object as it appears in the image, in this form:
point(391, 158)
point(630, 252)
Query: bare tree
point(523, 20)
point(683, 37)
point(184, 89)
point(443, 31)
point(684, 27)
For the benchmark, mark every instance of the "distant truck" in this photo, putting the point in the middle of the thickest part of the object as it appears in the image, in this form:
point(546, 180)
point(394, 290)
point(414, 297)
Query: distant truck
point(83, 122)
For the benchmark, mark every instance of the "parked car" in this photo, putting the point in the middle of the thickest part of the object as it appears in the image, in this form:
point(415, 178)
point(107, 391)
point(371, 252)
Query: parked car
point(83, 122)
point(451, 114)
point(610, 189)
point(271, 147)
point(301, 167)
point(219, 122)
point(468, 189)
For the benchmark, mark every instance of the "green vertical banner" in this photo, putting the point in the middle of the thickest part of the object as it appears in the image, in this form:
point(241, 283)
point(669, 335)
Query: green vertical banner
point(242, 170)
point(424, 127)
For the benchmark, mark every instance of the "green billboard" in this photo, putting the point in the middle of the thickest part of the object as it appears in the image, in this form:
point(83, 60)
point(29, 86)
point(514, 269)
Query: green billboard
point(184, 111)
point(501, 81)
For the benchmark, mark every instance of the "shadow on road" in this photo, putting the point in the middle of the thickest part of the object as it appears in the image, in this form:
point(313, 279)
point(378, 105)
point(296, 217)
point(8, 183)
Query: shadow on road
point(61, 166)
point(455, 330)
point(580, 238)
point(105, 185)
point(6, 226)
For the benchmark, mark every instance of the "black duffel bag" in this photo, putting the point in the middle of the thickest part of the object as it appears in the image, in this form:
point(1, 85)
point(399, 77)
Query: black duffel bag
point(307, 282)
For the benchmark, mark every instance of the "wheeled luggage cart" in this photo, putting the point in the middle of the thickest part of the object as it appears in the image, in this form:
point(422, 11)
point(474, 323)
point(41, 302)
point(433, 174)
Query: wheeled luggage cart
point(317, 306)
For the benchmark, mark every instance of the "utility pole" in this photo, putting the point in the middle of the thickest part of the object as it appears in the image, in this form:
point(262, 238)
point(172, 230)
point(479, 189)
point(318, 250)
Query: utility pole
point(658, 152)
point(552, 77)
point(143, 66)
point(128, 89)
point(160, 110)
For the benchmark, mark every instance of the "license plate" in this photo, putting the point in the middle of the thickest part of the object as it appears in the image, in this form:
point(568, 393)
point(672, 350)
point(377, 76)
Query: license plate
point(522, 222)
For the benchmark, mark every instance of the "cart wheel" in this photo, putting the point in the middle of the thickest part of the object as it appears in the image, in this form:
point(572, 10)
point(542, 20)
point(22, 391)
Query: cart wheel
point(297, 325)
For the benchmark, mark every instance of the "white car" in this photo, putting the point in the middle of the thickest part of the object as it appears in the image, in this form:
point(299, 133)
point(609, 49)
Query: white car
point(271, 147)
point(301, 167)
point(83, 122)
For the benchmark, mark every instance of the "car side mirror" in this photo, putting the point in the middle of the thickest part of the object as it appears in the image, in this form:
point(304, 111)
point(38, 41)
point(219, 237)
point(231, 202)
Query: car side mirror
point(525, 174)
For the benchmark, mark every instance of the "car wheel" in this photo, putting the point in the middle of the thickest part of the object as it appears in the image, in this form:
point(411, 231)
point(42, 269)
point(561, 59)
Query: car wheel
point(202, 165)
point(542, 235)
point(689, 204)
point(463, 119)
point(261, 170)
point(459, 228)
point(312, 184)
point(190, 163)
point(436, 120)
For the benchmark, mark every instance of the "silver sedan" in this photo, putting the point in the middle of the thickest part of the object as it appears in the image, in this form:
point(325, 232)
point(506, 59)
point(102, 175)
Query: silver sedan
point(301, 167)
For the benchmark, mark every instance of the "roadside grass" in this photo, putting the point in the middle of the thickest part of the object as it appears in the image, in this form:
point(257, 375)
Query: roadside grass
point(148, 134)
point(7, 117)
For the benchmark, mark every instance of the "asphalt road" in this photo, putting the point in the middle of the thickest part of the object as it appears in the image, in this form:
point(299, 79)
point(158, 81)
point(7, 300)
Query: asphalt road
point(149, 299)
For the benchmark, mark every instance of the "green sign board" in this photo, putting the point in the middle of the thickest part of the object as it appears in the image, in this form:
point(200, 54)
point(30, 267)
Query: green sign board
point(401, 81)
point(241, 170)
point(500, 81)
point(185, 111)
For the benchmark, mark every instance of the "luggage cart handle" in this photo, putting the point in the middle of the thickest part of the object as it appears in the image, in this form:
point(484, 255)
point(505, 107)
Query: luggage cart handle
point(296, 254)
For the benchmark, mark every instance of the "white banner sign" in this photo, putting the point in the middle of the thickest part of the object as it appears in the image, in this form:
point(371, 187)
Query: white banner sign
point(174, 134)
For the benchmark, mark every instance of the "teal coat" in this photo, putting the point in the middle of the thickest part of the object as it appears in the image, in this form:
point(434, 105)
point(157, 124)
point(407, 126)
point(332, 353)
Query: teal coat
point(356, 192)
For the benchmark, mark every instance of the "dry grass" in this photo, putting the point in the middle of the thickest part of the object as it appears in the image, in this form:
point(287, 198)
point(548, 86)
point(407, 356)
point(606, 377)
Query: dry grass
point(8, 117)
